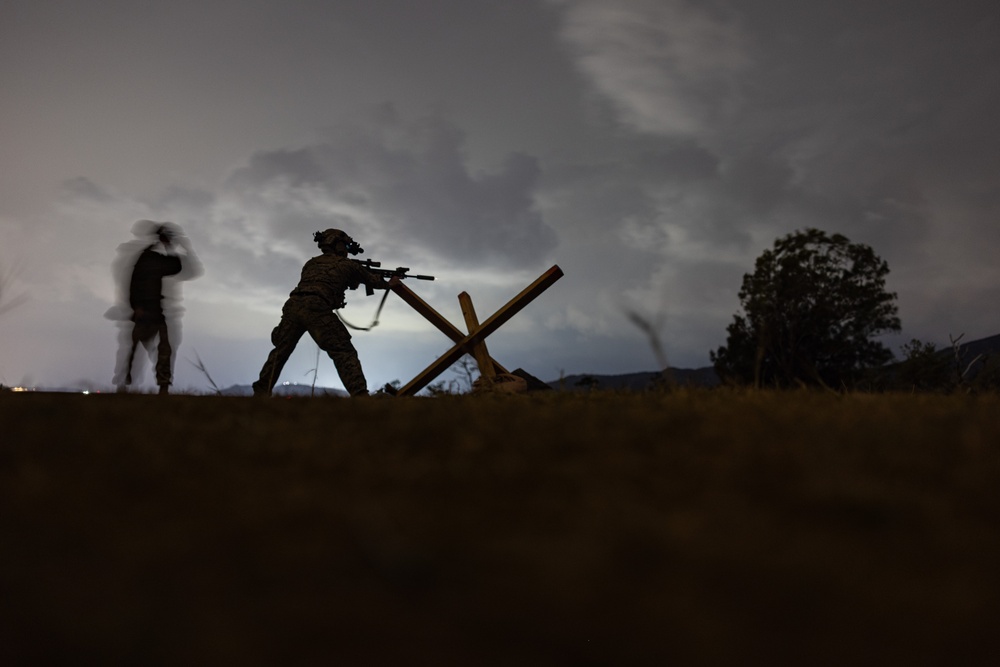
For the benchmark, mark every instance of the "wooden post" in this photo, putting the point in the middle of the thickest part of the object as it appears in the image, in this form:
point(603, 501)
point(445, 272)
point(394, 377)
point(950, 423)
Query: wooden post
point(479, 352)
point(443, 325)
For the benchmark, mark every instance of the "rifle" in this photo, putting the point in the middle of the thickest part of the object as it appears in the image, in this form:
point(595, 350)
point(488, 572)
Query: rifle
point(399, 272)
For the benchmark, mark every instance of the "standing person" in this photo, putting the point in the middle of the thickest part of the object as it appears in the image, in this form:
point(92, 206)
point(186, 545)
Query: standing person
point(310, 308)
point(160, 251)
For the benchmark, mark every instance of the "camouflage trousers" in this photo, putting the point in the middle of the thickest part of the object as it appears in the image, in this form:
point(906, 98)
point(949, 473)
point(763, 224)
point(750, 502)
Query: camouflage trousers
point(302, 314)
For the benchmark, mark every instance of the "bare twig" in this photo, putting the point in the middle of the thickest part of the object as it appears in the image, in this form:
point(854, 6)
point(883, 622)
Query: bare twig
point(961, 375)
point(467, 370)
point(315, 371)
point(201, 367)
point(652, 332)
point(6, 277)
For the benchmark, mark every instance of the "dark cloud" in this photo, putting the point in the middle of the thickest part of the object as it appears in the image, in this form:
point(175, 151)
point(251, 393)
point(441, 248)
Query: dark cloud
point(675, 161)
point(189, 206)
point(296, 168)
point(857, 117)
point(86, 190)
point(182, 196)
point(406, 183)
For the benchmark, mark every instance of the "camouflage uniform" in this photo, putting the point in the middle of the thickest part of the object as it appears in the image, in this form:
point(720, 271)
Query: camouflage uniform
point(310, 308)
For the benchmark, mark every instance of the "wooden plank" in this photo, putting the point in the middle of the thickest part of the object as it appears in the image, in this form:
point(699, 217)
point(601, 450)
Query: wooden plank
point(515, 305)
point(425, 309)
point(479, 351)
point(443, 325)
point(495, 321)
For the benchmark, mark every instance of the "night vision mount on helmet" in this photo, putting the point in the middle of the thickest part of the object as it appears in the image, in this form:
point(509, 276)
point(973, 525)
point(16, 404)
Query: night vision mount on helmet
point(331, 237)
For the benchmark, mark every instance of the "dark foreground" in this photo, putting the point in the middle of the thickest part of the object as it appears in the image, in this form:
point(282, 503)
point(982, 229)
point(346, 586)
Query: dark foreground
point(706, 528)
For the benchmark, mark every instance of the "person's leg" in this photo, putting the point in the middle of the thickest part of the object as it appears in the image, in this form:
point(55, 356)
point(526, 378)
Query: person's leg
point(123, 359)
point(143, 331)
point(333, 338)
point(284, 337)
point(131, 360)
point(164, 362)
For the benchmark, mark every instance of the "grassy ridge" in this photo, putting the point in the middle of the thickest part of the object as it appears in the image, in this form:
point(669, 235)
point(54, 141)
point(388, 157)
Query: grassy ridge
point(711, 527)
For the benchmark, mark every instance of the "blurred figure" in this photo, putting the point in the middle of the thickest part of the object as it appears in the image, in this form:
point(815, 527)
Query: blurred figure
point(310, 308)
point(147, 271)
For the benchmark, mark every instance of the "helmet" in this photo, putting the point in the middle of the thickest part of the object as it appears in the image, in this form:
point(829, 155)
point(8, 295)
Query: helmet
point(333, 238)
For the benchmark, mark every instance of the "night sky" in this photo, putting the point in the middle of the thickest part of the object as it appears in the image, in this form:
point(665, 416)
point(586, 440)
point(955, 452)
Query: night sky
point(651, 148)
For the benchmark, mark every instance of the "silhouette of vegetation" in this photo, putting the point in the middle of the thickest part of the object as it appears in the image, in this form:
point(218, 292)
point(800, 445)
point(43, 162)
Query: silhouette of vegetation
point(926, 368)
point(980, 373)
point(466, 373)
point(811, 309)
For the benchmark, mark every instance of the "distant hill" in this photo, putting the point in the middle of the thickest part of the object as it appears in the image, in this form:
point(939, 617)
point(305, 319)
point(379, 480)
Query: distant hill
point(689, 377)
point(962, 362)
point(976, 353)
point(976, 349)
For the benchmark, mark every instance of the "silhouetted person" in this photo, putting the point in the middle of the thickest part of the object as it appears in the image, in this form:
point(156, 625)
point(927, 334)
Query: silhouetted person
point(161, 251)
point(310, 308)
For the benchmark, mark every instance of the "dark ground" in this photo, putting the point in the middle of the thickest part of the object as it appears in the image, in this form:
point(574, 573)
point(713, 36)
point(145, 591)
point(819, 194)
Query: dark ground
point(695, 528)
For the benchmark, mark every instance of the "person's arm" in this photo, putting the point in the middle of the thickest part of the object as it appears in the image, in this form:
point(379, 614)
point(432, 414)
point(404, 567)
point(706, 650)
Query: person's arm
point(373, 281)
point(191, 266)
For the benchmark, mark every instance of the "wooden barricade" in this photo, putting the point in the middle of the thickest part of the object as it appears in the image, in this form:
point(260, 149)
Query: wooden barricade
point(473, 342)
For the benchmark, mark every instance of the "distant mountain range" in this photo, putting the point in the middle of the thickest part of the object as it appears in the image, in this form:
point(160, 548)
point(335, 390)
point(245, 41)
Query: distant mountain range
point(687, 377)
point(976, 352)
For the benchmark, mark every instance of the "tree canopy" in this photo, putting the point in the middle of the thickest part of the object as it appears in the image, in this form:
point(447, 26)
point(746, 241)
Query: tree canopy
point(810, 311)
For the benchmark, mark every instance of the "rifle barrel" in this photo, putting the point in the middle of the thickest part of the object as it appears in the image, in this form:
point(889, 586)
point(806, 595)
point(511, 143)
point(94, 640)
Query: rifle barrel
point(400, 271)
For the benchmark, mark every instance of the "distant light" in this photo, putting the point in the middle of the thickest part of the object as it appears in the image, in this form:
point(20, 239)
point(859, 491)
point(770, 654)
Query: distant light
point(20, 389)
point(85, 392)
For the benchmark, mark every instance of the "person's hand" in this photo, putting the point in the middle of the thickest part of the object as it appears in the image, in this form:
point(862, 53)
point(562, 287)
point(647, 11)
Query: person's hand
point(183, 242)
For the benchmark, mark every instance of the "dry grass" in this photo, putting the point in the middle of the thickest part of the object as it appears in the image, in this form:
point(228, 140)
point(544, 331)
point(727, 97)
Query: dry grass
point(684, 528)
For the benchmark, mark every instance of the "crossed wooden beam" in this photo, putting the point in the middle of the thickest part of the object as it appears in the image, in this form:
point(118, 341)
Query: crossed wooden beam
point(473, 342)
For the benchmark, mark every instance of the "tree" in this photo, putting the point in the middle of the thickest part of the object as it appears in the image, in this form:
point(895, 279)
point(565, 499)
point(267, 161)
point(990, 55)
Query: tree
point(810, 310)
